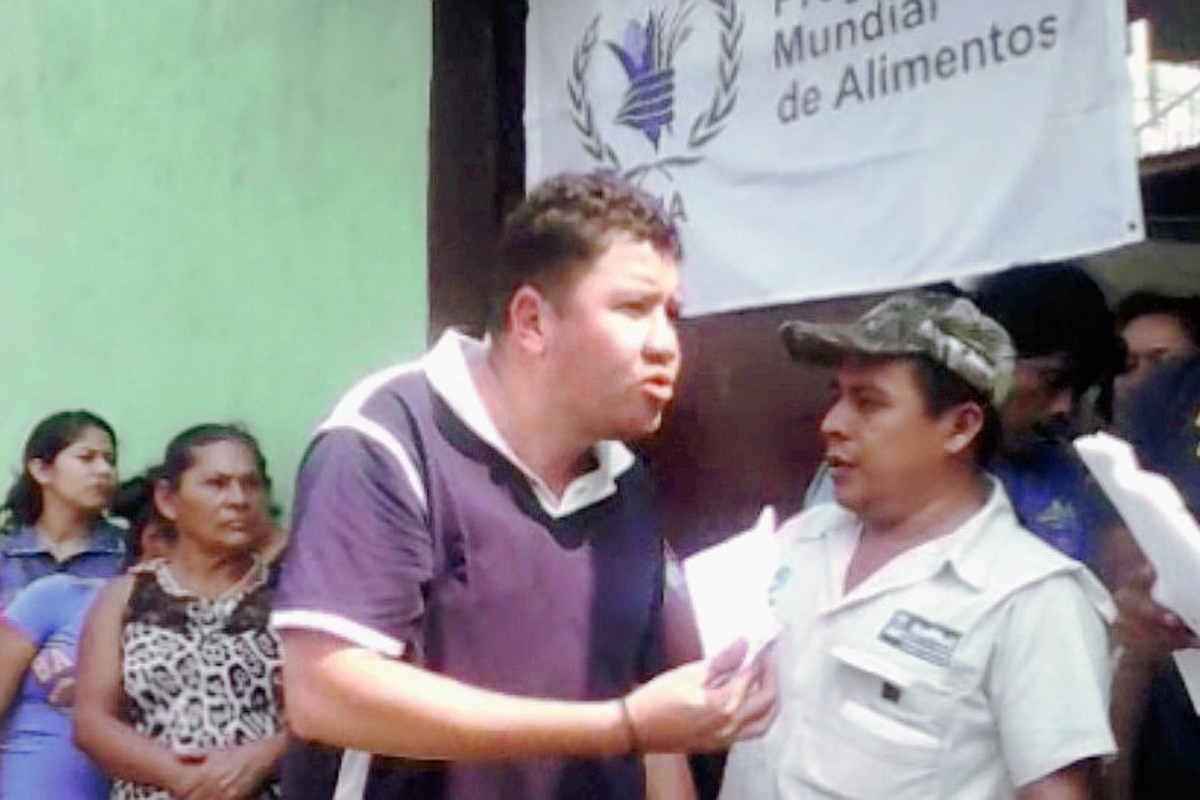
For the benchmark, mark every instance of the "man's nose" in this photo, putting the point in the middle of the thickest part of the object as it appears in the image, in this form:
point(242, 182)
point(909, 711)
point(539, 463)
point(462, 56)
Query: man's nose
point(662, 341)
point(834, 421)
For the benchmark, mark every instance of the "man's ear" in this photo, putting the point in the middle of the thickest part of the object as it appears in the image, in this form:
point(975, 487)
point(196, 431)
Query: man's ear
point(963, 425)
point(528, 318)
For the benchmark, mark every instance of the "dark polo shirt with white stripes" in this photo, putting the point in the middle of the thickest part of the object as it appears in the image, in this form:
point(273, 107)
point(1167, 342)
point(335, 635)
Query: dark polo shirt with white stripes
point(419, 535)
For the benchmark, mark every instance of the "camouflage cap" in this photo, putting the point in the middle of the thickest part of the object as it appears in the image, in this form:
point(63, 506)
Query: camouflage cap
point(950, 330)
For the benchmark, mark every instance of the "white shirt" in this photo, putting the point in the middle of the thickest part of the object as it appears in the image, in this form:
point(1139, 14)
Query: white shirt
point(964, 668)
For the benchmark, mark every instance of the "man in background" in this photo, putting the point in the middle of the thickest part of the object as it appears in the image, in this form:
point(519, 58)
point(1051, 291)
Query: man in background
point(1067, 355)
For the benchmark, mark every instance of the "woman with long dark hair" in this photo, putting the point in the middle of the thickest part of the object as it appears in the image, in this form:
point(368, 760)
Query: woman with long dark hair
point(178, 694)
point(56, 505)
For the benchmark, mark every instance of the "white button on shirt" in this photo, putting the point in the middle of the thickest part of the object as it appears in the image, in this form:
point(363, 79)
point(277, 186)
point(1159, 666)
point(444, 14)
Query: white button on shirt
point(963, 668)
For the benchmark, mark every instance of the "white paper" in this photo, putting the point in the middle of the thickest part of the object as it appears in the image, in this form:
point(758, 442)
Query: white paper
point(730, 585)
point(1157, 517)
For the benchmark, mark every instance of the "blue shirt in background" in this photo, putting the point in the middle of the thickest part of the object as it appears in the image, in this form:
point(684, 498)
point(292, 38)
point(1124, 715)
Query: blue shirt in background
point(37, 758)
point(24, 559)
point(1057, 499)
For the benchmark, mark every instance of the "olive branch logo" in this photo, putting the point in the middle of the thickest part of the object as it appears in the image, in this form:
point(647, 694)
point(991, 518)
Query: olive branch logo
point(581, 108)
point(646, 55)
point(724, 98)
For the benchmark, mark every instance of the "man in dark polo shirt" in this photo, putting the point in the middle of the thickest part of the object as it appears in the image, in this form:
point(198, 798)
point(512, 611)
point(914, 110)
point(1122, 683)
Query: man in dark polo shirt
point(474, 587)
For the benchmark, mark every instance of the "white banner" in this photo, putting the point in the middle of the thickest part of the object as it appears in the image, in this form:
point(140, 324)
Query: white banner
point(812, 148)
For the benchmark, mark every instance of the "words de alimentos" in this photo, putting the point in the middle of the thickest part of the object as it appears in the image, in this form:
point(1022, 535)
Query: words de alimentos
point(880, 74)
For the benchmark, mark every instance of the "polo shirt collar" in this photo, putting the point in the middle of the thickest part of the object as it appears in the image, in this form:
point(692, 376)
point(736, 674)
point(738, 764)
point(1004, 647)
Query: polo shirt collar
point(447, 368)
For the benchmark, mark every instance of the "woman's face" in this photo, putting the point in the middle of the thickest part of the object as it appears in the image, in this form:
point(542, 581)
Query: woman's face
point(220, 502)
point(1150, 340)
point(82, 476)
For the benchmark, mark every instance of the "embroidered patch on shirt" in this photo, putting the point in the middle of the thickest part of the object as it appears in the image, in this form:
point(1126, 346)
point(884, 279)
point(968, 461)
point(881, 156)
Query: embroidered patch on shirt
point(920, 638)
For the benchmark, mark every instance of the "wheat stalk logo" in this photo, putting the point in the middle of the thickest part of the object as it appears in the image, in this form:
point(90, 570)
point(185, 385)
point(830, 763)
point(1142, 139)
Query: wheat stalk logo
point(647, 52)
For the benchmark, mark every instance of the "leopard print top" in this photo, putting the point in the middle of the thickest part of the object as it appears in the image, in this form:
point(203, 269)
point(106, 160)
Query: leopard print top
point(198, 674)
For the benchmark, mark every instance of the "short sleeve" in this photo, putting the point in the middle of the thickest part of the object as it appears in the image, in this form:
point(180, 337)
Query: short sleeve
point(36, 611)
point(1050, 680)
point(361, 550)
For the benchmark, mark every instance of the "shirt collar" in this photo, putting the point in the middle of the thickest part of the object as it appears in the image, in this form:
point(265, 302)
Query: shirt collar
point(976, 552)
point(447, 368)
point(103, 538)
point(966, 551)
point(969, 552)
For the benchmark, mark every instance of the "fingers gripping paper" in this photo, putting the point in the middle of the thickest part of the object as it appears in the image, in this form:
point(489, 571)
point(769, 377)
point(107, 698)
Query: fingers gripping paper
point(1157, 517)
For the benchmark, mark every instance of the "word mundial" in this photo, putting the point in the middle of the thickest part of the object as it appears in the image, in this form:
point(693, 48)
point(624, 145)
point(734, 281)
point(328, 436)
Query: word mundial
point(883, 74)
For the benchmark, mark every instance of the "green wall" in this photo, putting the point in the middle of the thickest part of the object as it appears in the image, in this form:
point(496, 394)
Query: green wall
point(209, 210)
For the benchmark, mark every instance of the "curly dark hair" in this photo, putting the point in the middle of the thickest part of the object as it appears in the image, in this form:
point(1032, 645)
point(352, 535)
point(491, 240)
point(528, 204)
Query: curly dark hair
point(563, 225)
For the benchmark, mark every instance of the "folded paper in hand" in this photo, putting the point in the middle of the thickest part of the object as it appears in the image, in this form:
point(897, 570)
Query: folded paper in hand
point(1156, 515)
point(730, 586)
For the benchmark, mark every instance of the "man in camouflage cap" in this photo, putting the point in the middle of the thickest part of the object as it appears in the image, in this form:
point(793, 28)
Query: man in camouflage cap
point(931, 646)
point(950, 330)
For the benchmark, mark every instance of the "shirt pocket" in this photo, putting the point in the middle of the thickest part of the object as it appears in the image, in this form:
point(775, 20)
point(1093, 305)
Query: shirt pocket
point(882, 737)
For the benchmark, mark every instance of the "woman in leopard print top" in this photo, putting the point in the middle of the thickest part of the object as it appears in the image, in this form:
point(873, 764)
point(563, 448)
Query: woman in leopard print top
point(179, 680)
